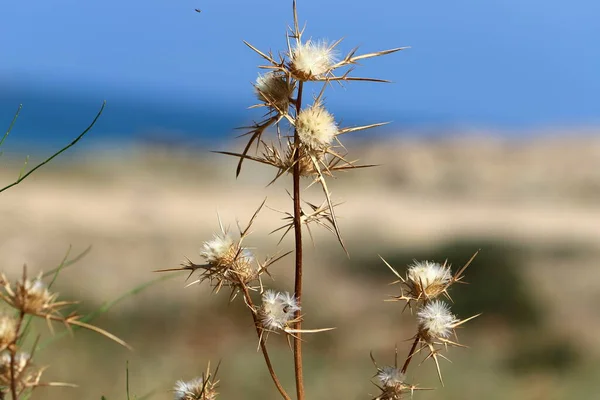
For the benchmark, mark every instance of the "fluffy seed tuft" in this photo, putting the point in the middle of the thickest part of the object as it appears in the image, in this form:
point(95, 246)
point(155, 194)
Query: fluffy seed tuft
point(8, 330)
point(274, 89)
point(316, 128)
point(390, 376)
point(435, 321)
point(196, 389)
point(26, 375)
point(428, 279)
point(312, 60)
point(218, 250)
point(277, 310)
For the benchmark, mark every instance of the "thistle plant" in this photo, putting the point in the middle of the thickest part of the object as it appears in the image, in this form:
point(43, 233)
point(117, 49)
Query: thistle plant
point(304, 142)
point(23, 300)
point(29, 298)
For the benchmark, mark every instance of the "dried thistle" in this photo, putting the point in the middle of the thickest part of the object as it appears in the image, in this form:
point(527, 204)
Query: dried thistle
point(200, 388)
point(228, 263)
point(26, 376)
point(274, 90)
point(8, 330)
point(392, 381)
point(426, 280)
point(316, 128)
point(436, 324)
point(311, 60)
point(32, 296)
point(279, 312)
point(318, 214)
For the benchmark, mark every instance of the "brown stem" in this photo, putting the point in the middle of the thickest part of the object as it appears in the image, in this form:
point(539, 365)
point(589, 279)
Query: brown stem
point(411, 353)
point(13, 355)
point(298, 236)
point(263, 346)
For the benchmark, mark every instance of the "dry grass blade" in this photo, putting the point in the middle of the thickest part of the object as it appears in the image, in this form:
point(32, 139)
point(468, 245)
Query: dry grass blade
point(97, 330)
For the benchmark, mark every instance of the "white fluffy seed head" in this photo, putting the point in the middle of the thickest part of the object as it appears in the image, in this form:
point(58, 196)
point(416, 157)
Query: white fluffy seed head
point(312, 60)
point(8, 328)
point(436, 321)
point(316, 128)
point(273, 88)
point(218, 250)
point(21, 361)
point(428, 279)
point(193, 390)
point(390, 376)
point(33, 296)
point(277, 309)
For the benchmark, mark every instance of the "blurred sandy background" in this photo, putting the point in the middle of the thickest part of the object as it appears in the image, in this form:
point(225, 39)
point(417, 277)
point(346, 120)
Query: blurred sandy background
point(531, 205)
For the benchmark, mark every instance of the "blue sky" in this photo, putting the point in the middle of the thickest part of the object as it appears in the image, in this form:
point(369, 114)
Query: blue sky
point(472, 62)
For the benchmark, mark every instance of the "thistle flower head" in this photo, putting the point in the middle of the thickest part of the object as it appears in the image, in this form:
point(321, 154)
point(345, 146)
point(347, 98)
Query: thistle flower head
point(220, 250)
point(8, 330)
point(310, 60)
point(21, 361)
point(228, 262)
point(393, 384)
point(427, 279)
point(26, 376)
point(435, 321)
point(31, 296)
point(316, 128)
point(34, 296)
point(275, 90)
point(390, 376)
point(196, 389)
point(277, 310)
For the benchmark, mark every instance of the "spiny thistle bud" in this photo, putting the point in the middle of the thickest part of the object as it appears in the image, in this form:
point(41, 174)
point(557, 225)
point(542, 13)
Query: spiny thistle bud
point(427, 280)
point(220, 250)
point(196, 389)
point(390, 376)
point(34, 296)
point(31, 296)
point(311, 60)
point(25, 375)
point(274, 89)
point(8, 330)
point(277, 310)
point(393, 382)
point(316, 128)
point(228, 262)
point(435, 321)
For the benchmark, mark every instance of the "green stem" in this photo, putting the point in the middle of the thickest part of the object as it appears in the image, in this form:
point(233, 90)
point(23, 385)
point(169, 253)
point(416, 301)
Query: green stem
point(46, 161)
